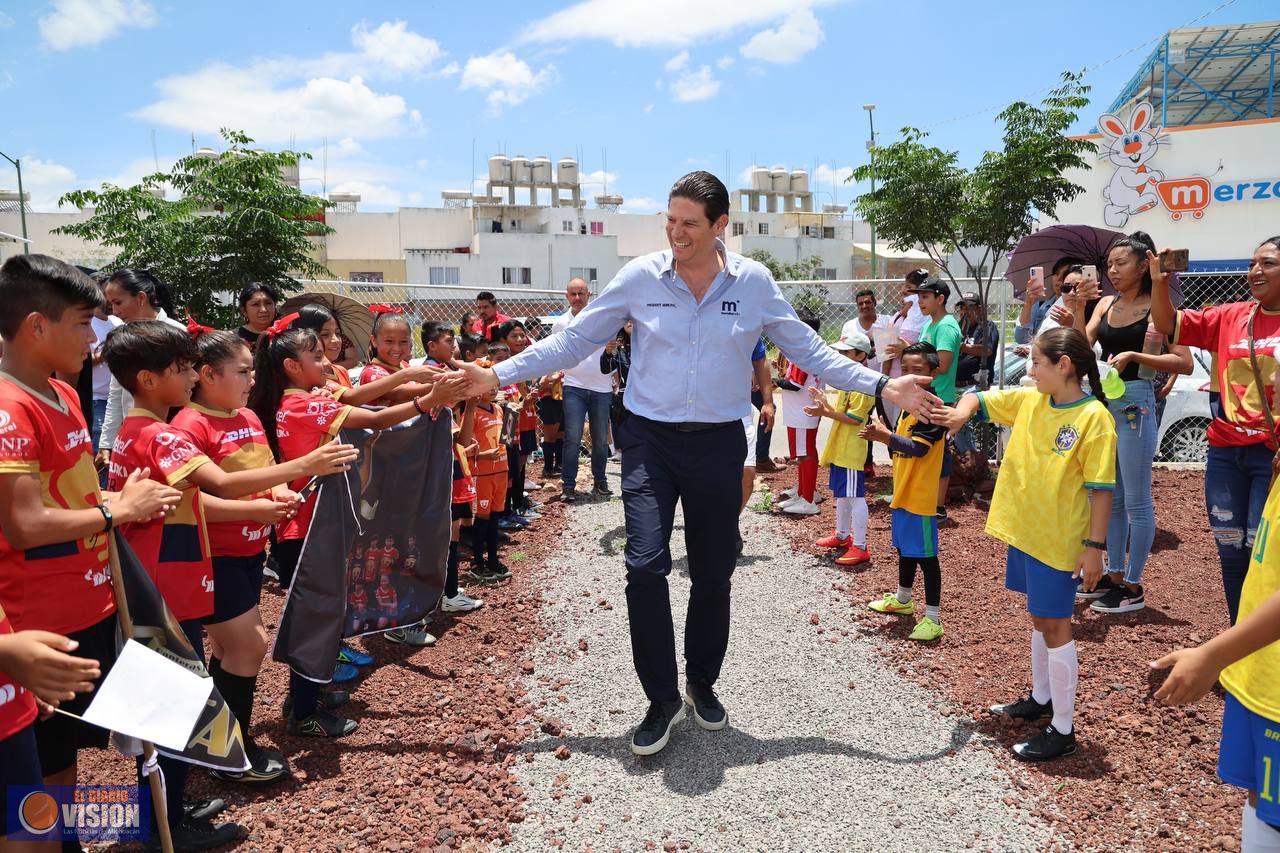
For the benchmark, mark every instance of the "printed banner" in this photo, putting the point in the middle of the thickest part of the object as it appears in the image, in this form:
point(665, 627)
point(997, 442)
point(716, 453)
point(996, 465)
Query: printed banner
point(216, 741)
point(374, 557)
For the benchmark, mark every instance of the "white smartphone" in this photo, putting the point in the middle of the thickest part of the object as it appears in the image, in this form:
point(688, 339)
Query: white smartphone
point(1090, 272)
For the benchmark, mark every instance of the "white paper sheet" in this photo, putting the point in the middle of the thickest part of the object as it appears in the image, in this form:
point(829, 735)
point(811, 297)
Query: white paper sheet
point(148, 696)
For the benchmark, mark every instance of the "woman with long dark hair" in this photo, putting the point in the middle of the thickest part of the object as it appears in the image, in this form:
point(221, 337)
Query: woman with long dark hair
point(1119, 325)
point(257, 304)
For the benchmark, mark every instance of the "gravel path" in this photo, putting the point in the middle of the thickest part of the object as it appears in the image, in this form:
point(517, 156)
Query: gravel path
point(826, 749)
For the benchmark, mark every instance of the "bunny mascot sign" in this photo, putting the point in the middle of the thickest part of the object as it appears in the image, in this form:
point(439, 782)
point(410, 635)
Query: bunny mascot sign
point(1130, 148)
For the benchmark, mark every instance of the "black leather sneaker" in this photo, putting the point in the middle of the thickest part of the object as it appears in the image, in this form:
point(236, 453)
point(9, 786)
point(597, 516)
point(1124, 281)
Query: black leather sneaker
point(655, 729)
point(329, 699)
point(1047, 745)
point(193, 834)
point(708, 713)
point(1026, 708)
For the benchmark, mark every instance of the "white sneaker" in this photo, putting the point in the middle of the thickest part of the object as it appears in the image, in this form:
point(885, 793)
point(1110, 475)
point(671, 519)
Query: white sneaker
point(412, 635)
point(800, 506)
point(461, 603)
point(788, 494)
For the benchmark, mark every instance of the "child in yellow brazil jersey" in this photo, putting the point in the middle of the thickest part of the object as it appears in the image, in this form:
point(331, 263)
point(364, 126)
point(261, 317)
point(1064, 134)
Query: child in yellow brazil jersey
point(917, 448)
point(1246, 659)
point(1062, 453)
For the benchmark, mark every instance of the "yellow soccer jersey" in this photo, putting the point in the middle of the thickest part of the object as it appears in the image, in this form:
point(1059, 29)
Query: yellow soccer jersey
point(915, 478)
point(1255, 680)
point(844, 446)
point(1056, 454)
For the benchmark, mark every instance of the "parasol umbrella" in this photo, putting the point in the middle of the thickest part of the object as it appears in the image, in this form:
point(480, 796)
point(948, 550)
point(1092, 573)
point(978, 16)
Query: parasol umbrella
point(354, 320)
point(1046, 247)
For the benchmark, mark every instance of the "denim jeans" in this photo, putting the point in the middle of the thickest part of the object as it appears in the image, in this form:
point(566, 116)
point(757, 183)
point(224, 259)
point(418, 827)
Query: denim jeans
point(580, 404)
point(1236, 480)
point(95, 432)
point(1133, 516)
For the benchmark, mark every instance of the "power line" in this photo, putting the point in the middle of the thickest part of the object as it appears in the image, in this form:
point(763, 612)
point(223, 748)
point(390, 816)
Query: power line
point(1118, 56)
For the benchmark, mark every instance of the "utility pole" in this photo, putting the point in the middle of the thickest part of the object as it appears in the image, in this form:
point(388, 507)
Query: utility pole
point(22, 202)
point(871, 149)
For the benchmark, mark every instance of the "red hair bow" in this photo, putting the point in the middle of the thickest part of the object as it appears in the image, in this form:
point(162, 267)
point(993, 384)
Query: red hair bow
point(281, 325)
point(385, 309)
point(194, 329)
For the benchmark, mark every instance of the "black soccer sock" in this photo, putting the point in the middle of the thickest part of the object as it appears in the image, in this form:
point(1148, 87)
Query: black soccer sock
point(548, 455)
point(478, 527)
point(306, 695)
point(238, 691)
point(906, 571)
point(559, 452)
point(491, 539)
point(932, 581)
point(451, 572)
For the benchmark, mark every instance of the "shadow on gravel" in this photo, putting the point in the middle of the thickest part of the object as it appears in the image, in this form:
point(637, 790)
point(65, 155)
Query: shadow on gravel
point(1091, 627)
point(1166, 540)
point(681, 566)
point(694, 762)
point(1089, 761)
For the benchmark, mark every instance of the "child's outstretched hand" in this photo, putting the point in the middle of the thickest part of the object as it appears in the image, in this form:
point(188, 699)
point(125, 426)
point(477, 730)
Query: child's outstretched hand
point(820, 405)
point(875, 431)
point(948, 417)
point(1192, 676)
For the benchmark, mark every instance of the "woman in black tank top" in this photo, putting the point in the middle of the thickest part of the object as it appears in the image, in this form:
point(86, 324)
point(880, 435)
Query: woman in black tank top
point(1119, 325)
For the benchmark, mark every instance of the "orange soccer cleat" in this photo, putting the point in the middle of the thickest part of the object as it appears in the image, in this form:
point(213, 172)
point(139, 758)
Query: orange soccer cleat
point(855, 556)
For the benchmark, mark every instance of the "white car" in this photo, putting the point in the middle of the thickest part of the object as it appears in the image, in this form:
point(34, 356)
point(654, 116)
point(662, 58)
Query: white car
point(1183, 435)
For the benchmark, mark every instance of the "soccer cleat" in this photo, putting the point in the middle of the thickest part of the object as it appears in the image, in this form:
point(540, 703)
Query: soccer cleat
point(460, 603)
point(203, 809)
point(329, 699)
point(1121, 599)
point(891, 604)
point(322, 724)
point(1104, 586)
point(855, 556)
point(347, 654)
point(926, 630)
point(655, 729)
point(1026, 708)
point(834, 541)
point(196, 834)
point(411, 635)
point(799, 506)
point(345, 672)
point(265, 765)
point(511, 522)
point(788, 494)
point(1047, 745)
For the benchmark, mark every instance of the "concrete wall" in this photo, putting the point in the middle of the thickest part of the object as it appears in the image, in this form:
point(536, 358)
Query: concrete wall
point(39, 225)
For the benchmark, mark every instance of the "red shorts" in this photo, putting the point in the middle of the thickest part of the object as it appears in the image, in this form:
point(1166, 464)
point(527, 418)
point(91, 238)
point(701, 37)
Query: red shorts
point(491, 493)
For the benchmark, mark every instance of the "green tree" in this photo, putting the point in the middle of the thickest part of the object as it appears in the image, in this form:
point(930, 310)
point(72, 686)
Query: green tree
point(926, 198)
point(811, 295)
point(234, 221)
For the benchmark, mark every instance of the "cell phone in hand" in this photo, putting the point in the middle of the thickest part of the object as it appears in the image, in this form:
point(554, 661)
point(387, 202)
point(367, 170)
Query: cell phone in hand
point(1175, 260)
point(1090, 272)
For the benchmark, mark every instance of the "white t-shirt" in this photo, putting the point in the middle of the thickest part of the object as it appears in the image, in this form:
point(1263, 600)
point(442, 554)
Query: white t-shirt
point(102, 373)
point(882, 321)
point(586, 375)
point(793, 403)
point(909, 328)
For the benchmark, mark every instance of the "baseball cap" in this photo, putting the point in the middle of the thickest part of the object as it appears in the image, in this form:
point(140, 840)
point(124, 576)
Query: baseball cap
point(918, 276)
point(853, 340)
point(937, 286)
point(971, 297)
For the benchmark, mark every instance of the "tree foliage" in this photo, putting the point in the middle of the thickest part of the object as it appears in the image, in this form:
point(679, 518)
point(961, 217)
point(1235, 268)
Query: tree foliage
point(925, 197)
point(234, 221)
point(810, 295)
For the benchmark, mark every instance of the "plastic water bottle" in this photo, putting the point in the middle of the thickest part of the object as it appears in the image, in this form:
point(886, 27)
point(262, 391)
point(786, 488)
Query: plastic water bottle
point(1112, 384)
point(1152, 344)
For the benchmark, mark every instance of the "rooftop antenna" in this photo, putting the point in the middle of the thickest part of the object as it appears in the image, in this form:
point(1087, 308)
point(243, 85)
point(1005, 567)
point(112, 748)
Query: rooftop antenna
point(193, 142)
point(604, 167)
point(473, 166)
point(324, 170)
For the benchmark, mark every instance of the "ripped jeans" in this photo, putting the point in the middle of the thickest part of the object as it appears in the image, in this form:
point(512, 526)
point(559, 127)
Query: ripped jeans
point(1132, 528)
point(1236, 480)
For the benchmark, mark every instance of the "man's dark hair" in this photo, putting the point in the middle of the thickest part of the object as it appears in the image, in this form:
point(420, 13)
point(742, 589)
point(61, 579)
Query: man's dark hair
point(809, 318)
point(42, 285)
point(866, 291)
point(929, 351)
point(1067, 261)
point(486, 296)
point(146, 345)
point(706, 188)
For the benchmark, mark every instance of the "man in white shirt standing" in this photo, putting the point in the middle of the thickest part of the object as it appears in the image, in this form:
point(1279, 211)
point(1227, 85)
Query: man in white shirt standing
point(909, 323)
point(587, 394)
point(102, 323)
point(868, 322)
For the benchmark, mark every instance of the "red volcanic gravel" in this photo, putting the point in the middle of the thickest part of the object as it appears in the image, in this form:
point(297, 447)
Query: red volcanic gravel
point(439, 728)
point(1144, 773)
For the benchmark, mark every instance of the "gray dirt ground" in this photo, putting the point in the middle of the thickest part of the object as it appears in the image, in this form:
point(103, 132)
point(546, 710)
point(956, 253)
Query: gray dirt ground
point(826, 748)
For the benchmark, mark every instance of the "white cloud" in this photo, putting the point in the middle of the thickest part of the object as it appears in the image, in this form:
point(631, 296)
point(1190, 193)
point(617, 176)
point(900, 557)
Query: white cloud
point(724, 62)
point(449, 70)
point(510, 80)
point(282, 98)
point(643, 204)
point(46, 180)
point(694, 86)
point(648, 108)
point(788, 42)
point(599, 179)
point(80, 23)
point(826, 175)
point(657, 23)
point(679, 62)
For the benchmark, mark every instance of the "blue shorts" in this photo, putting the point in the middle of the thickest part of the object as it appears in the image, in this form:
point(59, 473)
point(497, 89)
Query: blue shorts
point(915, 535)
point(847, 483)
point(1050, 592)
point(1250, 747)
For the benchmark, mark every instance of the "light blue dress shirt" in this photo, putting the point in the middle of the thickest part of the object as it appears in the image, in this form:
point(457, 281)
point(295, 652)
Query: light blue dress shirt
point(690, 361)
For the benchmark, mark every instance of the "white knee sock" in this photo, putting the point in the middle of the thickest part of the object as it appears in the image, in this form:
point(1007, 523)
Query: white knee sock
point(1064, 672)
point(1039, 668)
point(844, 517)
point(1256, 836)
point(859, 521)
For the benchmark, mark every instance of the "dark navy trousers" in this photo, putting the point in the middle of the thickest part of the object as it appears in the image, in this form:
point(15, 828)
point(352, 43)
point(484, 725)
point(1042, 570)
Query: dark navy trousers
point(702, 470)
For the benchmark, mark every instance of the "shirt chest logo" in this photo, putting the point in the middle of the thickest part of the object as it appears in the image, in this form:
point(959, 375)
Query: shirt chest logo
point(1066, 439)
point(729, 307)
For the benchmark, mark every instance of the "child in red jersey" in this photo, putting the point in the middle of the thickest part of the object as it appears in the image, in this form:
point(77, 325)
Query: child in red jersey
point(462, 508)
point(231, 436)
point(390, 347)
point(387, 602)
point(320, 320)
point(358, 608)
point(53, 552)
point(297, 421)
point(491, 488)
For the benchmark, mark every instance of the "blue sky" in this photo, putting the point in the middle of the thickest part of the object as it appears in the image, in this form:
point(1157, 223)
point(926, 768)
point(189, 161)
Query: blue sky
point(100, 90)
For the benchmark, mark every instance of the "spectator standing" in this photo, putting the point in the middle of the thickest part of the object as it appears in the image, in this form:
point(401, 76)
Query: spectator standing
point(587, 396)
point(943, 332)
point(908, 323)
point(487, 314)
point(102, 322)
point(257, 305)
point(1039, 299)
point(868, 322)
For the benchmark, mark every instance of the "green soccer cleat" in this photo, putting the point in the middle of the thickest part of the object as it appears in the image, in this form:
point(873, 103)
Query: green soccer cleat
point(926, 630)
point(891, 604)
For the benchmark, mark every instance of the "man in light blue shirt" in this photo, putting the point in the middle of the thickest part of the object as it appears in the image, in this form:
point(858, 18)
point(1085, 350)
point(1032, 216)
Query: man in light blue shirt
point(697, 312)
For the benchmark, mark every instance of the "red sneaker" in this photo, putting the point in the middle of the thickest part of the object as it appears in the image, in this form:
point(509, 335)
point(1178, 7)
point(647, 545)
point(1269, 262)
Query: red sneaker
point(834, 541)
point(855, 556)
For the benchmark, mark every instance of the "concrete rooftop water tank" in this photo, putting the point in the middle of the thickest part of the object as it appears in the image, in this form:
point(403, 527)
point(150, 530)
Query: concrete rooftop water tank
point(781, 180)
point(567, 172)
point(541, 169)
point(761, 179)
point(499, 168)
point(521, 173)
point(799, 181)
